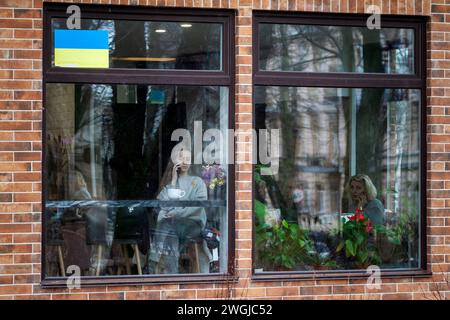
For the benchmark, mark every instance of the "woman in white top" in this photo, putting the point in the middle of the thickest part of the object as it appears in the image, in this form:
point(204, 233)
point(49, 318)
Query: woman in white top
point(176, 226)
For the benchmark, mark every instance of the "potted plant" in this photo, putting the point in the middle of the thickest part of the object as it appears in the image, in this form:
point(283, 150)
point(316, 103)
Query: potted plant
point(396, 238)
point(280, 246)
point(321, 261)
point(357, 235)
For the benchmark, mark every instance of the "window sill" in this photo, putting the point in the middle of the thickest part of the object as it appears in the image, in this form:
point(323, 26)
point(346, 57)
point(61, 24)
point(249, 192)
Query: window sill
point(337, 275)
point(61, 282)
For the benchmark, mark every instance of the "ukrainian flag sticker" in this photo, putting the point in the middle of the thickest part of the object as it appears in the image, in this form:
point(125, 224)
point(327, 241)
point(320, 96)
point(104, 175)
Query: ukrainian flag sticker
point(81, 48)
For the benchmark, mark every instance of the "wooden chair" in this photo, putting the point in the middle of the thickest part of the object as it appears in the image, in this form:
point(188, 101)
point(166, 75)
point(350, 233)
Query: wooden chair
point(55, 239)
point(123, 243)
point(193, 247)
point(129, 231)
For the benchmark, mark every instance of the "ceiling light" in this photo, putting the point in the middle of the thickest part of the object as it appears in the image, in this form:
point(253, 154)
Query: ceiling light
point(186, 25)
point(160, 30)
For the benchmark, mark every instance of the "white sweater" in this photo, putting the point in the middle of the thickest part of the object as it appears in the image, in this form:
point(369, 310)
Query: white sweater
point(195, 189)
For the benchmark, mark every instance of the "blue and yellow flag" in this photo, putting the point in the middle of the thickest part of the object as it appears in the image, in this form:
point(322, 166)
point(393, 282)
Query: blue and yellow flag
point(81, 48)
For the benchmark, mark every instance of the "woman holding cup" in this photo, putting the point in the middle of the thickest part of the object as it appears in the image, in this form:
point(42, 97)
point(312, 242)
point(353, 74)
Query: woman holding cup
point(178, 225)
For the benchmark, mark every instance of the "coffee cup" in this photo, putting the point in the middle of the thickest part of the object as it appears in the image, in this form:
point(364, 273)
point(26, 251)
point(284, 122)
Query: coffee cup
point(175, 193)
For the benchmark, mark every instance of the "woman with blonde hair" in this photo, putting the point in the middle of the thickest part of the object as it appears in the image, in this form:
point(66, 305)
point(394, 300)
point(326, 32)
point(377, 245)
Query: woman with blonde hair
point(176, 226)
point(362, 195)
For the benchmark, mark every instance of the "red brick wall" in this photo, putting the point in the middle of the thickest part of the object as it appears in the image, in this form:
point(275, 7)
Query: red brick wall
point(20, 154)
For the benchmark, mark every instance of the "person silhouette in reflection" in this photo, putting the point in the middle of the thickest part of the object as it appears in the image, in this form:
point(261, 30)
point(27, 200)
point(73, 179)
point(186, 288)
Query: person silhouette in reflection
point(99, 227)
point(81, 192)
point(177, 226)
point(363, 194)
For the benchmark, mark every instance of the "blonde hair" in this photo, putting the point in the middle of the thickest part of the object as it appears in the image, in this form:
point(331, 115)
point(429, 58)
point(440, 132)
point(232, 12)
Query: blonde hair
point(79, 180)
point(369, 187)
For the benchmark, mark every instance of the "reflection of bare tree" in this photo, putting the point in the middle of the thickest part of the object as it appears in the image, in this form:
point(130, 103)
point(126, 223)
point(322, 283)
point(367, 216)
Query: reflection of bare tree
point(330, 134)
point(93, 146)
point(315, 36)
point(287, 161)
point(371, 119)
point(400, 137)
point(315, 48)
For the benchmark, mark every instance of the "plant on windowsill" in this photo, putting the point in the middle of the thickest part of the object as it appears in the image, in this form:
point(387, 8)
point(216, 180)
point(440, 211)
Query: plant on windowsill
point(358, 235)
point(321, 261)
point(400, 237)
point(281, 246)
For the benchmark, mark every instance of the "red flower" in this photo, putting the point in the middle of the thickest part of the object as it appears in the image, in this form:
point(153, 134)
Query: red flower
point(215, 231)
point(368, 226)
point(357, 217)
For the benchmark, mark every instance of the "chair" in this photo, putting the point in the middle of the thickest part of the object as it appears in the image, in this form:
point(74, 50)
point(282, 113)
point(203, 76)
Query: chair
point(98, 220)
point(123, 243)
point(54, 237)
point(130, 229)
point(193, 248)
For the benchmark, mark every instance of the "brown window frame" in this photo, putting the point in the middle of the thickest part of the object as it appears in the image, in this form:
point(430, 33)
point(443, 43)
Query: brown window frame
point(417, 80)
point(225, 77)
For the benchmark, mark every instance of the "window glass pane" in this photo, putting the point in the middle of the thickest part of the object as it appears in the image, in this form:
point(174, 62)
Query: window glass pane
point(138, 44)
point(114, 203)
point(311, 48)
point(340, 150)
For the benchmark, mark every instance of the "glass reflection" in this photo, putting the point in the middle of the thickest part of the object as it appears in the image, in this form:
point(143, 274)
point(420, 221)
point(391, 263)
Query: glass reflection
point(310, 48)
point(158, 45)
point(108, 172)
point(343, 151)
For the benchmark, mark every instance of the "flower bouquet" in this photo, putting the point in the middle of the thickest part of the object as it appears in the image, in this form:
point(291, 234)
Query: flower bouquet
point(357, 233)
point(214, 177)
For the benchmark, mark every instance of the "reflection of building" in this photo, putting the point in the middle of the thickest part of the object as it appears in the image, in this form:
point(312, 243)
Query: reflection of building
point(328, 147)
point(320, 149)
point(401, 157)
point(320, 152)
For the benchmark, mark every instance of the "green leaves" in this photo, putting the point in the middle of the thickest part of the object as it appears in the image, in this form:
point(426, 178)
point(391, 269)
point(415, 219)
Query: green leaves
point(360, 238)
point(260, 212)
point(355, 241)
point(363, 256)
point(283, 246)
point(350, 248)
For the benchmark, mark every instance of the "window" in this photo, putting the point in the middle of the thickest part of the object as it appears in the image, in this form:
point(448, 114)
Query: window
point(288, 47)
point(177, 45)
point(129, 193)
point(348, 103)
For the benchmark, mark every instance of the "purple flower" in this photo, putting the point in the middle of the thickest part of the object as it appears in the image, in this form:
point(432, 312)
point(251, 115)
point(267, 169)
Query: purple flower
point(213, 175)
